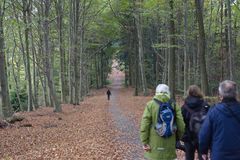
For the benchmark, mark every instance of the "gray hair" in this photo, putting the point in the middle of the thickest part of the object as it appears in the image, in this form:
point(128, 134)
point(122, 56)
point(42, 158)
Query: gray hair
point(228, 89)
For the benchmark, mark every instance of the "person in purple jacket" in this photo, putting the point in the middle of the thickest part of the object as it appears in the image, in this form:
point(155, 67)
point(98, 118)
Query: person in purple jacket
point(220, 131)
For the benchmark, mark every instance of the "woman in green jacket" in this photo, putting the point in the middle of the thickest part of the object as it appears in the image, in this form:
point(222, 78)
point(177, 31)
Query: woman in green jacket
point(155, 146)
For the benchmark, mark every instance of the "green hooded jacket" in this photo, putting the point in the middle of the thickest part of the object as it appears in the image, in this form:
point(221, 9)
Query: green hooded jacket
point(161, 148)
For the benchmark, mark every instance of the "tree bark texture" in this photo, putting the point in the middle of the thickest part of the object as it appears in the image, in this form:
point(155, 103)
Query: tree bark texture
point(26, 7)
point(230, 51)
point(138, 23)
point(202, 47)
point(49, 71)
point(5, 106)
point(186, 50)
point(60, 13)
point(171, 64)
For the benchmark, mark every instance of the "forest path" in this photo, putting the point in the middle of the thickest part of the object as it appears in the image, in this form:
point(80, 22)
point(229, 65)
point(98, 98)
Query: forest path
point(97, 129)
point(122, 120)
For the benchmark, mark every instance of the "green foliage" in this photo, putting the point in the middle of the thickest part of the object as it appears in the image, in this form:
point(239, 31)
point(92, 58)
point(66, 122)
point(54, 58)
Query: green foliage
point(112, 21)
point(108, 82)
point(16, 104)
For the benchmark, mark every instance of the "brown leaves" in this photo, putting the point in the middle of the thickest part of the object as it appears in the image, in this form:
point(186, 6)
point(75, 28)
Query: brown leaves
point(80, 132)
point(86, 132)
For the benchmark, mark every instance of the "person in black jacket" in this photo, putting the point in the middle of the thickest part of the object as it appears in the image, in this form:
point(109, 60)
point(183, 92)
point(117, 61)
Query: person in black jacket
point(108, 94)
point(193, 104)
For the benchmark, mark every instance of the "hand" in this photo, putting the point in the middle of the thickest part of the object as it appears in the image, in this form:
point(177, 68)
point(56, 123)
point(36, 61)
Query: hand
point(146, 147)
point(204, 156)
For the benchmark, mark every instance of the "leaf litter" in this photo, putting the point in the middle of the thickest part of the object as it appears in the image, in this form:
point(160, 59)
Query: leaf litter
point(97, 129)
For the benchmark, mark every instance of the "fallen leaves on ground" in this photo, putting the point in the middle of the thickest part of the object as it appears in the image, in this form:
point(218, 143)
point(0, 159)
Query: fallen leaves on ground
point(79, 132)
point(87, 131)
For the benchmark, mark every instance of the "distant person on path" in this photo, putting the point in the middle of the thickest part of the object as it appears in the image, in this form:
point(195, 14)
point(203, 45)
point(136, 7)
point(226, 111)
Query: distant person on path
point(220, 131)
point(194, 112)
point(161, 124)
point(108, 94)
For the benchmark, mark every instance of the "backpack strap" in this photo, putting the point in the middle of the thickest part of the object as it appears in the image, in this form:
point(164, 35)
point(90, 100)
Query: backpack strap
point(170, 101)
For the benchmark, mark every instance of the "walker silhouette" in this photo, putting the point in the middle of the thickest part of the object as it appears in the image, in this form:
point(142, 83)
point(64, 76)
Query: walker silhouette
point(108, 94)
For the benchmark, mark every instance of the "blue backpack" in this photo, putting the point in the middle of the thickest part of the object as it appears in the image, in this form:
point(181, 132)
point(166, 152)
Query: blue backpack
point(165, 126)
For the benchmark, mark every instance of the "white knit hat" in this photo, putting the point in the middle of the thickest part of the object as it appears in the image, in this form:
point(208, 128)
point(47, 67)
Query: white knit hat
point(162, 88)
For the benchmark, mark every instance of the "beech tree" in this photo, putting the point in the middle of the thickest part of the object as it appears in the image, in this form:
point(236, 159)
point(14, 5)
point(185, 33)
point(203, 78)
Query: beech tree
point(202, 46)
point(48, 62)
point(54, 52)
point(138, 18)
point(5, 106)
point(171, 63)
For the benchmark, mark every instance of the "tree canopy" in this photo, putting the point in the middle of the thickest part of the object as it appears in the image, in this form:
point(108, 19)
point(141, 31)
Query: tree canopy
point(54, 51)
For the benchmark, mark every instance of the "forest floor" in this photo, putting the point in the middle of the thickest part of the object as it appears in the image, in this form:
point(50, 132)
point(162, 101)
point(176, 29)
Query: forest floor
point(95, 129)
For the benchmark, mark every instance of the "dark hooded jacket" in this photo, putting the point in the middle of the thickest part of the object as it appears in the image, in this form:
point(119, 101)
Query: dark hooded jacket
point(220, 131)
point(195, 104)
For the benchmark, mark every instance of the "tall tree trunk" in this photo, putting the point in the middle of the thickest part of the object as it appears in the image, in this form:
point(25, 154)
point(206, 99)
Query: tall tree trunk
point(45, 91)
point(136, 76)
point(41, 53)
point(171, 64)
point(186, 50)
point(71, 53)
point(81, 54)
point(178, 53)
point(196, 62)
point(221, 42)
point(33, 49)
point(136, 63)
point(157, 69)
point(5, 106)
point(101, 69)
point(21, 42)
point(230, 52)
point(138, 23)
point(14, 74)
point(165, 69)
point(165, 59)
point(226, 56)
point(49, 70)
point(81, 66)
point(202, 47)
point(96, 71)
point(35, 73)
point(26, 7)
point(60, 13)
point(130, 57)
point(76, 51)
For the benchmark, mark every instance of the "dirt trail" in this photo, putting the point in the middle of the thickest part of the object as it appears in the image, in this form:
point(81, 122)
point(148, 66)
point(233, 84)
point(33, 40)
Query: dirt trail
point(97, 129)
point(129, 132)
